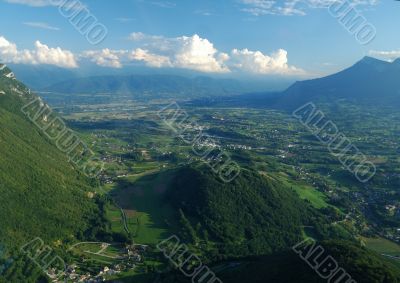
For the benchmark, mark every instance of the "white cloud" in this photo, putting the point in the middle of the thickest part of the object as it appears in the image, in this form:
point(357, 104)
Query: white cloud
point(151, 60)
point(34, 3)
point(53, 56)
point(40, 25)
point(387, 55)
point(265, 7)
point(185, 52)
point(291, 7)
point(7, 49)
point(194, 52)
point(205, 13)
point(42, 54)
point(70, 5)
point(198, 54)
point(105, 57)
point(258, 63)
point(163, 4)
point(124, 20)
point(117, 58)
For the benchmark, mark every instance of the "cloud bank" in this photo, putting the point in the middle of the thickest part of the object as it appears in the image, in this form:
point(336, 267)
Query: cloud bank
point(193, 53)
point(41, 54)
point(185, 52)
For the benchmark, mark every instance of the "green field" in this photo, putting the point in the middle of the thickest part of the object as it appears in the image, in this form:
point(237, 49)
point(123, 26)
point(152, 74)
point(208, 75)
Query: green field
point(115, 217)
point(382, 245)
point(316, 198)
point(149, 217)
point(307, 192)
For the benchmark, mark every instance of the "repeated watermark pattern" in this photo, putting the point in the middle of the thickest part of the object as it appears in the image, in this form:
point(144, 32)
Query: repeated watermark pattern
point(66, 140)
point(202, 145)
point(82, 19)
point(9, 75)
point(45, 258)
point(337, 143)
point(188, 263)
point(346, 13)
point(353, 21)
point(321, 262)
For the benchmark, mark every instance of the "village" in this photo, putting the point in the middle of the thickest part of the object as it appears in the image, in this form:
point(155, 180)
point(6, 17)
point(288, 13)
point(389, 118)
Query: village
point(98, 266)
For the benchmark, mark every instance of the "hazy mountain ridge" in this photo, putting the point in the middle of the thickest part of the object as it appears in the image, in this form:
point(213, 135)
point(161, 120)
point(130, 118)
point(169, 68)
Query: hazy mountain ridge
point(150, 86)
point(369, 82)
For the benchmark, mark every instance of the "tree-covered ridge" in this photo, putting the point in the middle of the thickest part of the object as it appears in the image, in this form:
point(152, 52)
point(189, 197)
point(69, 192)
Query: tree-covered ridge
point(359, 263)
point(248, 216)
point(42, 195)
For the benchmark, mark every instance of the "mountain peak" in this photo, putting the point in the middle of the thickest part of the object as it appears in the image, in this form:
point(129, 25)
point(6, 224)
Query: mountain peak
point(371, 63)
point(397, 61)
point(5, 71)
point(371, 60)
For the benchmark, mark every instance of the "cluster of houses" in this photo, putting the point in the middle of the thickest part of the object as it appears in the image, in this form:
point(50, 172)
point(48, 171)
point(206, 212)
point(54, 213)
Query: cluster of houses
point(132, 256)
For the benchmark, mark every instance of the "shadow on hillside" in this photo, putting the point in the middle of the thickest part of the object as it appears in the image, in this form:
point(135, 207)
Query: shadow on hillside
point(147, 195)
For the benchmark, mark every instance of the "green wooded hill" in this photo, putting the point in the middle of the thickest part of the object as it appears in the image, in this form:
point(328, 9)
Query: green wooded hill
point(361, 264)
point(42, 195)
point(287, 267)
point(248, 216)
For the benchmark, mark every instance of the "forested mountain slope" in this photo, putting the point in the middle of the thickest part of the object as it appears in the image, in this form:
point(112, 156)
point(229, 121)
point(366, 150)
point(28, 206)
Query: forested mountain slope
point(42, 195)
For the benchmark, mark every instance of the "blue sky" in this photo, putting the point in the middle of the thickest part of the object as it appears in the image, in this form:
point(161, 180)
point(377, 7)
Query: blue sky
point(253, 37)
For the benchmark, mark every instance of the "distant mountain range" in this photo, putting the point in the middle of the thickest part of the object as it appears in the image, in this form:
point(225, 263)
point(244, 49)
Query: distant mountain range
point(150, 86)
point(368, 82)
point(42, 77)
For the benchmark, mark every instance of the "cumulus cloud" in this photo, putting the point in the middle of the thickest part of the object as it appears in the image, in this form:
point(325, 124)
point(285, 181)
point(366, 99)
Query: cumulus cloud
point(41, 54)
point(105, 57)
point(192, 53)
point(117, 58)
point(7, 49)
point(291, 7)
point(150, 59)
point(199, 54)
point(184, 52)
point(259, 63)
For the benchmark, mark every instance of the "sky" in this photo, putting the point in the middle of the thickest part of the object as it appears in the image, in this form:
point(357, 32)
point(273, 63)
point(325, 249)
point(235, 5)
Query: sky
point(260, 38)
